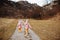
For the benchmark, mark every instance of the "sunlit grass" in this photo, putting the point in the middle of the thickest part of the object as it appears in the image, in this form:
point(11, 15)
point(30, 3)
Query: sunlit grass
point(7, 27)
point(47, 29)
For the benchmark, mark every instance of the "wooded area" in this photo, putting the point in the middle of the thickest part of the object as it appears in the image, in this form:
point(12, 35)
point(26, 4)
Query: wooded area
point(23, 9)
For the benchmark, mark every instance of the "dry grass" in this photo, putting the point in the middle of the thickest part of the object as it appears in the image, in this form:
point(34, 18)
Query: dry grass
point(7, 27)
point(47, 29)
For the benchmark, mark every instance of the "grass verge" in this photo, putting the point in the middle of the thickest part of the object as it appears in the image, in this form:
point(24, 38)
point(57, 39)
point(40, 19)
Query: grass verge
point(47, 29)
point(7, 27)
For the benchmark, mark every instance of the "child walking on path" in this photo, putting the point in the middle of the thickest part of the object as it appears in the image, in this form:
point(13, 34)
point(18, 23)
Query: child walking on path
point(19, 25)
point(27, 27)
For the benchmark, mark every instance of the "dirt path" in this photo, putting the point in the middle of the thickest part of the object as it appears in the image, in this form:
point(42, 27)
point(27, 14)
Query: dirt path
point(20, 35)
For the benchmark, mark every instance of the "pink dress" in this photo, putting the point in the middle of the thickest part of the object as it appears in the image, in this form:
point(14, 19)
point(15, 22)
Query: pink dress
point(20, 24)
point(27, 26)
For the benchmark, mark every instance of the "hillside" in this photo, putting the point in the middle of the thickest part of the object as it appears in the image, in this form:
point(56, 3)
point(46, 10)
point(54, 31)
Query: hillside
point(19, 9)
point(23, 9)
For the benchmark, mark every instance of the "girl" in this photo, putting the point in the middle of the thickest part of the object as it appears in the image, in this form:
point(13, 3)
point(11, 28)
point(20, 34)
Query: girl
point(19, 25)
point(27, 27)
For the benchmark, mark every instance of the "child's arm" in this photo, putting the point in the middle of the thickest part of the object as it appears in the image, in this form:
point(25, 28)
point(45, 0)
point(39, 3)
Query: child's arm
point(29, 25)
